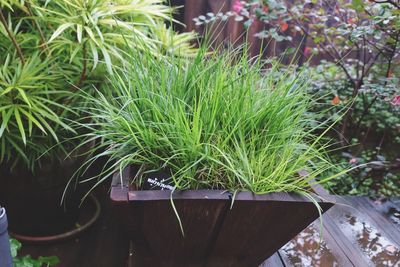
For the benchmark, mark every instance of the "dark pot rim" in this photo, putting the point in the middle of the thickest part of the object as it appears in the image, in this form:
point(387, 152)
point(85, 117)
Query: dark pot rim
point(65, 235)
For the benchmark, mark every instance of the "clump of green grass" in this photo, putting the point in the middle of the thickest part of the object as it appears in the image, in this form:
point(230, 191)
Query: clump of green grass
point(216, 121)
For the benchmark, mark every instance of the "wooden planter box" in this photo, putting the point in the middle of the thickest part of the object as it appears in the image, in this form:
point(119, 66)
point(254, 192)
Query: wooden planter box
point(215, 235)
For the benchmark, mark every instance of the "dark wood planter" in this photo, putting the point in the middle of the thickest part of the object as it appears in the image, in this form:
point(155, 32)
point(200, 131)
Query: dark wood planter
point(33, 199)
point(215, 234)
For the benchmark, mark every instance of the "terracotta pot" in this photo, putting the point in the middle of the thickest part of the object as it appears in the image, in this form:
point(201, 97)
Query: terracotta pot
point(216, 232)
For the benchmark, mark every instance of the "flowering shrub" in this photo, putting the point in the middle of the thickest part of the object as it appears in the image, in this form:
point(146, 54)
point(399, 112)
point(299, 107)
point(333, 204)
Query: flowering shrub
point(273, 13)
point(379, 178)
point(376, 134)
point(359, 45)
point(362, 38)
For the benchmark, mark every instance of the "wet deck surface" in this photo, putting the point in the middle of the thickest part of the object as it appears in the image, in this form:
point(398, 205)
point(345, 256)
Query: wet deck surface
point(357, 231)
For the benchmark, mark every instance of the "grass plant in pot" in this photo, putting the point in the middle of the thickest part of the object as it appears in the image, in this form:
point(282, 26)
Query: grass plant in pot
point(213, 157)
point(49, 49)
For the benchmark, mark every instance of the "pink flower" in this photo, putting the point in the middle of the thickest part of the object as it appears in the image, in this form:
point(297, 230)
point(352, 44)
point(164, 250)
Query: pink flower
point(307, 51)
point(237, 6)
point(396, 100)
point(353, 161)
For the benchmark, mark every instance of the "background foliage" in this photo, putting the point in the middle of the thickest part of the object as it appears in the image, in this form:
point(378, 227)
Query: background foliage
point(50, 49)
point(353, 49)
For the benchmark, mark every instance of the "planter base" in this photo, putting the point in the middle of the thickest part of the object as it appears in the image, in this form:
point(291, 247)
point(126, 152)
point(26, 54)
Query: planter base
point(215, 234)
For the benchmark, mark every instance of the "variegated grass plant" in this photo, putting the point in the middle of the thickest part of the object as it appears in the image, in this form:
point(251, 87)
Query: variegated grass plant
point(49, 49)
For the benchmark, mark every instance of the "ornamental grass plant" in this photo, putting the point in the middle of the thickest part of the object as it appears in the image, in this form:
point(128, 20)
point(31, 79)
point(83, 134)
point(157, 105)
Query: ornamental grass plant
point(216, 121)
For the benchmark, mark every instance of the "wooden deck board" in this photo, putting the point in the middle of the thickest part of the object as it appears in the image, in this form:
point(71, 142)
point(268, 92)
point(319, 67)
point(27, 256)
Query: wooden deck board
point(379, 219)
point(357, 232)
point(357, 229)
point(307, 249)
point(274, 261)
point(388, 208)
